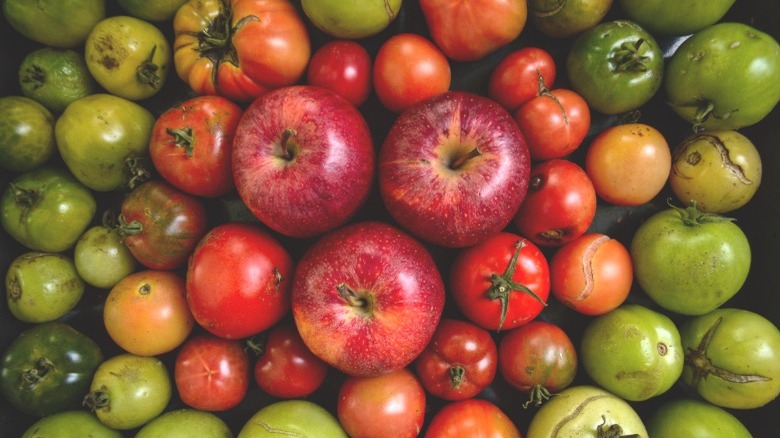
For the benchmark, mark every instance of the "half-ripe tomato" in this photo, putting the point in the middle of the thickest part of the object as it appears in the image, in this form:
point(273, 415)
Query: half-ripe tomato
point(517, 77)
point(502, 282)
point(472, 417)
point(239, 280)
point(459, 362)
point(343, 66)
point(211, 373)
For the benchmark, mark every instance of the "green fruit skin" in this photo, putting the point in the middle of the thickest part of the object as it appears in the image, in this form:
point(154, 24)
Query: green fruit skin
point(26, 134)
point(351, 19)
point(43, 20)
point(70, 424)
point(185, 423)
point(101, 258)
point(694, 419)
point(633, 352)
point(567, 18)
point(294, 418)
point(675, 17)
point(41, 287)
point(152, 10)
point(55, 77)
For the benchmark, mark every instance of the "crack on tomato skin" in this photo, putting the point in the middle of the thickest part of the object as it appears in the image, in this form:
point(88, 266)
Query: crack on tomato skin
point(270, 429)
point(390, 12)
point(587, 266)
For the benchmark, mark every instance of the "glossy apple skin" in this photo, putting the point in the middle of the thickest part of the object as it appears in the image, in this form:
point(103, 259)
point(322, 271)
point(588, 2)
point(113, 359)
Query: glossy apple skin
point(329, 173)
point(383, 266)
point(445, 206)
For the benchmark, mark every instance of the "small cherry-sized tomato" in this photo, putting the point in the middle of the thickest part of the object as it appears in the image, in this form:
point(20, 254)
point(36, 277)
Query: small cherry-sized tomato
point(211, 373)
point(554, 123)
point(388, 405)
point(459, 362)
point(502, 282)
point(537, 358)
point(191, 145)
point(473, 417)
point(628, 164)
point(343, 66)
point(560, 204)
point(408, 68)
point(591, 274)
point(146, 313)
point(286, 367)
point(516, 78)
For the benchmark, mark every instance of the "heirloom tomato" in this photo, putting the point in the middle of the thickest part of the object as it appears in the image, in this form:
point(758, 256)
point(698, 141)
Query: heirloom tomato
point(673, 17)
point(26, 134)
point(43, 21)
point(344, 67)
point(152, 10)
point(239, 49)
point(567, 18)
point(554, 123)
point(191, 145)
point(473, 417)
point(694, 418)
point(185, 423)
point(101, 258)
point(292, 418)
point(502, 282)
point(351, 19)
point(518, 76)
point(55, 77)
point(70, 424)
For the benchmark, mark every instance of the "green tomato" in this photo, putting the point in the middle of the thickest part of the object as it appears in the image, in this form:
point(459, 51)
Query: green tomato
point(46, 209)
point(633, 352)
point(55, 78)
point(104, 140)
point(566, 18)
point(690, 262)
point(70, 424)
point(128, 391)
point(732, 358)
point(617, 66)
point(586, 412)
point(694, 418)
point(48, 368)
point(675, 17)
point(152, 10)
point(726, 76)
point(41, 287)
point(185, 423)
point(26, 134)
point(101, 258)
point(351, 19)
point(55, 23)
point(292, 417)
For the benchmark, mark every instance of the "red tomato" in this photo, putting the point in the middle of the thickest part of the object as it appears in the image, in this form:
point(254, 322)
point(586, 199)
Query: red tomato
point(211, 373)
point(408, 69)
point(502, 282)
point(238, 281)
point(470, 30)
point(161, 224)
point(591, 274)
point(459, 361)
point(287, 368)
point(538, 358)
point(515, 80)
point(191, 145)
point(554, 123)
point(389, 405)
point(239, 48)
point(472, 417)
point(146, 313)
point(343, 66)
point(560, 204)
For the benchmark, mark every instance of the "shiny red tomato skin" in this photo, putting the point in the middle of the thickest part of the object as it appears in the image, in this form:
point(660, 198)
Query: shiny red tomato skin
point(470, 281)
point(191, 145)
point(287, 368)
point(343, 66)
point(459, 362)
point(239, 281)
point(211, 373)
point(472, 417)
point(515, 79)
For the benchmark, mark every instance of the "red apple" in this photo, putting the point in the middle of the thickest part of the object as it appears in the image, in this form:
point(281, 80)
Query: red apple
point(367, 298)
point(454, 169)
point(303, 160)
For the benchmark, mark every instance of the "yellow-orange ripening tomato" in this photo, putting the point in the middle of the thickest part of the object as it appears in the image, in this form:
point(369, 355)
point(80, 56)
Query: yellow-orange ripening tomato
point(628, 164)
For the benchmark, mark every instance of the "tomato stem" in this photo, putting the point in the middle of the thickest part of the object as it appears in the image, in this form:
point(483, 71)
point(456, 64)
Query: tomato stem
point(537, 395)
point(136, 171)
point(612, 431)
point(31, 377)
point(33, 75)
point(182, 138)
point(128, 228)
point(146, 72)
point(256, 346)
point(456, 376)
point(693, 217)
point(627, 58)
point(96, 400)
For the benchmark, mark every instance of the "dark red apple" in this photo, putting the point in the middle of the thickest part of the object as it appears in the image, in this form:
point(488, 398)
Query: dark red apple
point(303, 160)
point(454, 169)
point(367, 298)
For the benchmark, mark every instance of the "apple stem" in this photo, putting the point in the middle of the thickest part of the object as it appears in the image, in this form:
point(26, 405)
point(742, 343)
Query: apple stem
point(288, 152)
point(353, 299)
point(465, 157)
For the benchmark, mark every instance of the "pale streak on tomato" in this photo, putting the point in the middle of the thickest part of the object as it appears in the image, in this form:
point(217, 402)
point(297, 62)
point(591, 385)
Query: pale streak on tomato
point(587, 266)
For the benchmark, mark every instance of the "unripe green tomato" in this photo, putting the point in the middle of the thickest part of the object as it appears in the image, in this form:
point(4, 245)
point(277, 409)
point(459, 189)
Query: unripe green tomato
point(101, 258)
point(70, 424)
point(633, 352)
point(26, 134)
point(566, 18)
point(41, 287)
point(694, 418)
point(351, 19)
point(294, 418)
point(675, 17)
point(185, 423)
point(152, 10)
point(55, 77)
point(55, 23)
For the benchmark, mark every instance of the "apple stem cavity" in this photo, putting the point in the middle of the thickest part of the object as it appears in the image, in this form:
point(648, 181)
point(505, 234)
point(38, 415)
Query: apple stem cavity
point(183, 138)
point(288, 146)
point(503, 285)
point(461, 160)
point(363, 305)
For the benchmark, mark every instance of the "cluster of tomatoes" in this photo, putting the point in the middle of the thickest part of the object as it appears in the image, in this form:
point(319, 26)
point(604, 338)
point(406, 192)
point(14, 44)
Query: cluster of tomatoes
point(609, 284)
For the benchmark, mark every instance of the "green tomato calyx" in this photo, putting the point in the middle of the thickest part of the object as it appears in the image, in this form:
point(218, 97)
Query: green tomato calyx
point(183, 138)
point(136, 171)
point(146, 72)
point(33, 376)
point(33, 75)
point(693, 217)
point(629, 59)
point(255, 345)
point(125, 228)
point(537, 395)
point(612, 431)
point(26, 199)
point(98, 399)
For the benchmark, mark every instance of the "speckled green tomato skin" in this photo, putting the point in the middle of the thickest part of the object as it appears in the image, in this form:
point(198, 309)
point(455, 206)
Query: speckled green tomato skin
point(43, 20)
point(70, 424)
point(294, 418)
point(730, 65)
point(185, 423)
point(690, 270)
point(26, 134)
point(633, 352)
point(566, 18)
point(578, 412)
point(351, 19)
point(675, 17)
point(694, 418)
point(101, 258)
point(744, 343)
point(55, 77)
